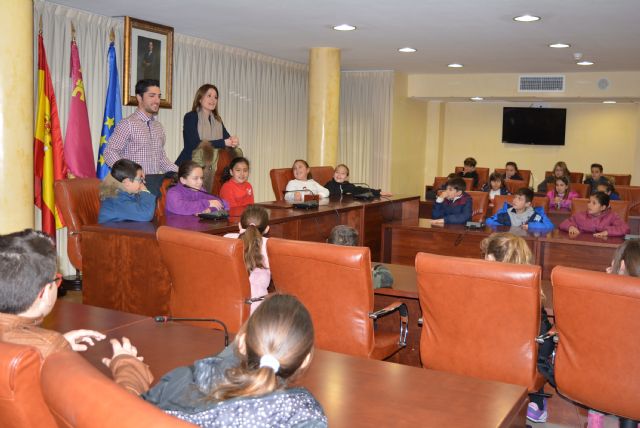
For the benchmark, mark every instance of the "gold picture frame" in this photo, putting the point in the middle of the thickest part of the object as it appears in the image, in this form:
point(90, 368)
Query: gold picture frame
point(148, 54)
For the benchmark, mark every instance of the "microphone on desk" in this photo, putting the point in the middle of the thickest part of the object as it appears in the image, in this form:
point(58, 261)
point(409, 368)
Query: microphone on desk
point(164, 319)
point(364, 195)
point(305, 204)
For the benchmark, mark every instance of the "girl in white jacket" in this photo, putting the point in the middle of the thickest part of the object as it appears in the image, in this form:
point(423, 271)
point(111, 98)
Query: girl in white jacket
point(303, 183)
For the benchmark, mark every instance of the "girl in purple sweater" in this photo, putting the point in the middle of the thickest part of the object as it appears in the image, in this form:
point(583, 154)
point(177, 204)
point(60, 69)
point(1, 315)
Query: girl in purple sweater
point(562, 195)
point(188, 197)
point(598, 219)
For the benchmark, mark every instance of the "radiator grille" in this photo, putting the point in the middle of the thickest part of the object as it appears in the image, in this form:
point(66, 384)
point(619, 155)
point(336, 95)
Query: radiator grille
point(541, 84)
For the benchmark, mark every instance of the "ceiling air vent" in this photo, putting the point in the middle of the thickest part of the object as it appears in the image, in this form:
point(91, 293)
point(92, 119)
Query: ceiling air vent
point(541, 84)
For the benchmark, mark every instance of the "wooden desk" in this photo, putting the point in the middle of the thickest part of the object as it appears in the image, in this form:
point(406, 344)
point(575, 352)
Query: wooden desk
point(122, 267)
point(354, 392)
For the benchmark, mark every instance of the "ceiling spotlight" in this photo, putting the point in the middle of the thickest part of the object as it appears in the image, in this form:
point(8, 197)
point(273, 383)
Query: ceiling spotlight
point(344, 27)
point(559, 45)
point(584, 63)
point(527, 18)
point(608, 102)
point(407, 50)
point(455, 65)
point(476, 98)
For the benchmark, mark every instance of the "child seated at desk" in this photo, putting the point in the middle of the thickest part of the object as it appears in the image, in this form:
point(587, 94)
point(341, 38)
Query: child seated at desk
point(124, 196)
point(454, 205)
point(29, 290)
point(562, 195)
point(511, 171)
point(596, 177)
point(598, 220)
point(247, 385)
point(608, 188)
point(495, 187)
point(236, 189)
point(339, 185)
point(303, 183)
point(469, 171)
point(521, 213)
point(188, 197)
point(560, 169)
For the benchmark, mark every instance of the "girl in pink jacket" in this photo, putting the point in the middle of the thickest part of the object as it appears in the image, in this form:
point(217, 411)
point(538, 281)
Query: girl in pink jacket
point(598, 219)
point(562, 195)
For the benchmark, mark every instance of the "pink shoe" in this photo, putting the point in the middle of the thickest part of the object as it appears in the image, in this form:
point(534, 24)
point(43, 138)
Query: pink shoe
point(595, 419)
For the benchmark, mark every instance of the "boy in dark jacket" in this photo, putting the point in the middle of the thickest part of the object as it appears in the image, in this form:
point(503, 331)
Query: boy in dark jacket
point(339, 185)
point(454, 205)
point(469, 171)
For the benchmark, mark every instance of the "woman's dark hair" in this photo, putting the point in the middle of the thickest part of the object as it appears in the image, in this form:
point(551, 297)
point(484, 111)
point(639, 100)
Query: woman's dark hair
point(603, 198)
point(125, 168)
point(629, 252)
point(254, 221)
point(565, 180)
point(226, 173)
point(202, 90)
point(280, 327)
point(309, 176)
point(496, 176)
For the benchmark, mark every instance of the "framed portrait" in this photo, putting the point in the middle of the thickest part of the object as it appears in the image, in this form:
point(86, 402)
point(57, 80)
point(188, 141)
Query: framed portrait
point(148, 54)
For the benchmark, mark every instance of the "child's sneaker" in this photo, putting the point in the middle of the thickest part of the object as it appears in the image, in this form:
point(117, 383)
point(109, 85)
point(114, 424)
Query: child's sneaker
point(534, 414)
point(595, 419)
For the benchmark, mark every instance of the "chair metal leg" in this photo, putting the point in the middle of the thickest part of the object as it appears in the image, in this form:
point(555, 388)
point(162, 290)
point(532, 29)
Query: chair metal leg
point(72, 283)
point(628, 423)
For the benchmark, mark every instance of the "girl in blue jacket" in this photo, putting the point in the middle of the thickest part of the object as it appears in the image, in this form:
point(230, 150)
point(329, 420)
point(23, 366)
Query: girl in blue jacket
point(124, 196)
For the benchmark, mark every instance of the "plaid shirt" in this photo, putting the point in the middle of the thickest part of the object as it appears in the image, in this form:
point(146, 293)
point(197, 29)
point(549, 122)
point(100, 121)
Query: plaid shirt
point(141, 139)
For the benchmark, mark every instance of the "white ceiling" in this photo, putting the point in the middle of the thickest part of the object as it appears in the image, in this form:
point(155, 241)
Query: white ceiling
point(478, 33)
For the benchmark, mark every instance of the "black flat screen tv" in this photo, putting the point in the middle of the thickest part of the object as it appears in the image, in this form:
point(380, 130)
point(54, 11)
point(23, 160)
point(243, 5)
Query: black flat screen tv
point(534, 126)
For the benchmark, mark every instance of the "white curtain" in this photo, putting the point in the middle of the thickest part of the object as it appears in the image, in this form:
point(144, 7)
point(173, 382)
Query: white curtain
point(366, 101)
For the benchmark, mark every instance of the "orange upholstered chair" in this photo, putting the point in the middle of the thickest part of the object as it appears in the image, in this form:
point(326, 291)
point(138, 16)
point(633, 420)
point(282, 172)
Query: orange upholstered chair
point(208, 276)
point(524, 173)
point(335, 285)
point(21, 401)
point(483, 175)
point(79, 396)
point(538, 201)
point(281, 176)
point(481, 318)
point(583, 190)
point(619, 207)
point(480, 201)
point(162, 200)
point(439, 181)
point(514, 185)
point(619, 179)
point(597, 318)
point(631, 194)
point(574, 177)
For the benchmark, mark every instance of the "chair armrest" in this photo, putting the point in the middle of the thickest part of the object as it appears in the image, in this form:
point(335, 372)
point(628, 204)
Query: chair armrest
point(404, 318)
point(255, 299)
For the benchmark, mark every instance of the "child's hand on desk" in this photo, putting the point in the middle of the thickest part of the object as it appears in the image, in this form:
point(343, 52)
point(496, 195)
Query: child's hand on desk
point(386, 194)
point(76, 337)
point(297, 196)
point(438, 222)
point(215, 204)
point(574, 231)
point(126, 348)
point(602, 234)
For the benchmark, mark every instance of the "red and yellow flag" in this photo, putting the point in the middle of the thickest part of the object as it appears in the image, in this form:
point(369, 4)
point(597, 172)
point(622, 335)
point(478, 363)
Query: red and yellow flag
point(48, 151)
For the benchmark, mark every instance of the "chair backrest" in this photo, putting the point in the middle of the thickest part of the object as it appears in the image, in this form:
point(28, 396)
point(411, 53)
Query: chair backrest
point(524, 173)
point(619, 179)
point(334, 283)
point(480, 318)
point(78, 201)
point(208, 276)
point(280, 177)
point(21, 401)
point(574, 177)
point(162, 200)
point(439, 181)
point(483, 175)
point(631, 194)
point(538, 201)
point(619, 207)
point(80, 396)
point(480, 201)
point(514, 185)
point(597, 317)
point(225, 156)
point(583, 190)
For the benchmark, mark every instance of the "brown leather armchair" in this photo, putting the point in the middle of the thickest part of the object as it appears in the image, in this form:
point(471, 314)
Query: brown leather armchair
point(480, 204)
point(281, 176)
point(574, 177)
point(78, 201)
point(208, 276)
point(597, 319)
point(483, 176)
point(619, 179)
point(21, 401)
point(80, 396)
point(335, 285)
point(631, 194)
point(619, 207)
point(481, 318)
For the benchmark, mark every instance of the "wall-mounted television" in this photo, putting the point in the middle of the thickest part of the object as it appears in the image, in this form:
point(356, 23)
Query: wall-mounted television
point(534, 126)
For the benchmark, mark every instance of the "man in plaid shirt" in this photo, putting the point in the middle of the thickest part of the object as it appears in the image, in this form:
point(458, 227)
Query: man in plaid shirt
point(140, 137)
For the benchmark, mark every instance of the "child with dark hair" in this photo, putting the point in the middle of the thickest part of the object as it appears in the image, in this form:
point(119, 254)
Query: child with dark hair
point(562, 195)
point(596, 177)
point(236, 189)
point(432, 194)
point(469, 171)
point(521, 213)
point(28, 291)
point(124, 196)
point(608, 188)
point(560, 169)
point(339, 185)
point(598, 220)
point(454, 205)
point(302, 183)
point(495, 187)
point(511, 171)
point(253, 225)
point(188, 197)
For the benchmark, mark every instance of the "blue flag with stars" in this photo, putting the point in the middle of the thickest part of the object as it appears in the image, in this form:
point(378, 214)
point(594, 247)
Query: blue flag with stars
point(112, 112)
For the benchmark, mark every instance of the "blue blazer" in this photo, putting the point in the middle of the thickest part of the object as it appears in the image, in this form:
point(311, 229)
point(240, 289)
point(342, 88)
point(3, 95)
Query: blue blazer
point(127, 206)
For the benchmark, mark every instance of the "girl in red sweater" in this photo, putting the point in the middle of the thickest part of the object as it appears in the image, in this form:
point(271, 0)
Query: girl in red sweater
point(236, 189)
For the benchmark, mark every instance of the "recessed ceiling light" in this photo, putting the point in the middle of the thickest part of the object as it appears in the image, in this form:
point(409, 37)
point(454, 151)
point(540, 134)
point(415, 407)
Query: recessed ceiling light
point(344, 27)
point(559, 45)
point(527, 18)
point(608, 102)
point(407, 50)
point(476, 98)
point(455, 65)
point(584, 63)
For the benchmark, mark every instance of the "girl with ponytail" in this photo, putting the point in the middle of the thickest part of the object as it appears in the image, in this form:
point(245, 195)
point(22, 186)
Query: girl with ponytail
point(254, 223)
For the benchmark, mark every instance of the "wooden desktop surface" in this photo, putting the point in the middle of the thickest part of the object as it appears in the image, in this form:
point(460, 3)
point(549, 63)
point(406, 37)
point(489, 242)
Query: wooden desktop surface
point(354, 392)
